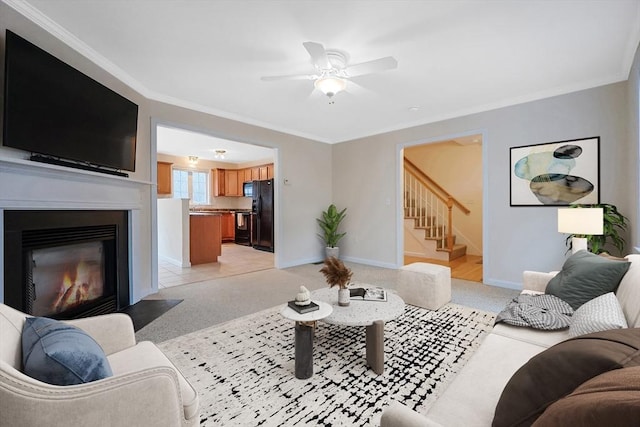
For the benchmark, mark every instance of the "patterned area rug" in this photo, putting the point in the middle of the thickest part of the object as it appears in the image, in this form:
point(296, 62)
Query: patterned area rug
point(244, 369)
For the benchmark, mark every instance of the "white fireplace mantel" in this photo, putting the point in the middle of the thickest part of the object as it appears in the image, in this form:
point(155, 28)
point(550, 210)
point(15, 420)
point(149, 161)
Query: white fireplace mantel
point(27, 185)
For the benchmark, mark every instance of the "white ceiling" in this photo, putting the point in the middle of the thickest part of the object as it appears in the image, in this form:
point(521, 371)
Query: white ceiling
point(454, 57)
point(183, 143)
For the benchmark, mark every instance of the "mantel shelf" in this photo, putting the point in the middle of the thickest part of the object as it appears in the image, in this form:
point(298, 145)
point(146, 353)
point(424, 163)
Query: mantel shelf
point(48, 170)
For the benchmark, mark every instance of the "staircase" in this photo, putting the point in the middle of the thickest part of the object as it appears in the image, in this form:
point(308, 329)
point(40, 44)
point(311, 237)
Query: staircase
point(428, 211)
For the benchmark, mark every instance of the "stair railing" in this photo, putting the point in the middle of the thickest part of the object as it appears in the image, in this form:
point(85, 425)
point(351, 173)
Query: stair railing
point(430, 204)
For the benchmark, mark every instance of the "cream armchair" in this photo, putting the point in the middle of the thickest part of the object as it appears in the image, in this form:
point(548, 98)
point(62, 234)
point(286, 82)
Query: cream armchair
point(145, 389)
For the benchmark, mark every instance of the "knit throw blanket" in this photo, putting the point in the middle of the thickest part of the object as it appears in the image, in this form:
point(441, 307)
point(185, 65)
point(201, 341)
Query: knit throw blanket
point(546, 312)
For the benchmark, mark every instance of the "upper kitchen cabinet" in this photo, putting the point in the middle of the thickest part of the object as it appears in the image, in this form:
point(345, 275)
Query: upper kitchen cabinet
point(247, 175)
point(218, 182)
point(264, 172)
point(164, 177)
point(228, 182)
point(232, 185)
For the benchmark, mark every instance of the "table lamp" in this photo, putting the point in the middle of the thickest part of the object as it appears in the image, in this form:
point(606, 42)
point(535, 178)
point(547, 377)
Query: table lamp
point(580, 221)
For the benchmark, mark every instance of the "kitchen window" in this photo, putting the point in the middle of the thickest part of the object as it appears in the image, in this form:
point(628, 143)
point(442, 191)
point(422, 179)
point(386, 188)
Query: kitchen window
point(192, 185)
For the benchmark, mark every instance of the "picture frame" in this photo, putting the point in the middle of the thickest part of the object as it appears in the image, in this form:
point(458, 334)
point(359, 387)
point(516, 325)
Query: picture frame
point(557, 173)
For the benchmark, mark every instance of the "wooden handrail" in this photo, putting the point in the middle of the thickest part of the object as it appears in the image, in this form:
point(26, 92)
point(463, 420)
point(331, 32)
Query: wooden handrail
point(444, 199)
point(437, 190)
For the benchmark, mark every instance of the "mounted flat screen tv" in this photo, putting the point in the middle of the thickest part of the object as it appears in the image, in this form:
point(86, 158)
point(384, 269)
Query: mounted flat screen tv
point(59, 114)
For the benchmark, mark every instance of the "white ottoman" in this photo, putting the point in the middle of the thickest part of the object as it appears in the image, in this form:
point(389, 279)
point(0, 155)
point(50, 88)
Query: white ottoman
point(425, 285)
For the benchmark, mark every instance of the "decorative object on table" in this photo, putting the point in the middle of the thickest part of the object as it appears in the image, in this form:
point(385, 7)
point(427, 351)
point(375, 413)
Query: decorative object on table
point(337, 274)
point(303, 297)
point(557, 173)
point(612, 223)
point(368, 294)
point(302, 309)
point(329, 223)
point(303, 304)
point(580, 223)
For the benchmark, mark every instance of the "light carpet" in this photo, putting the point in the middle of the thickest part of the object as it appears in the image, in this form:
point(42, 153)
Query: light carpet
point(243, 369)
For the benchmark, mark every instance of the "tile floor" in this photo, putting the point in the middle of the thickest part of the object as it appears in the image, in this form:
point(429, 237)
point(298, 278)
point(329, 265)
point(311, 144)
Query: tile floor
point(235, 259)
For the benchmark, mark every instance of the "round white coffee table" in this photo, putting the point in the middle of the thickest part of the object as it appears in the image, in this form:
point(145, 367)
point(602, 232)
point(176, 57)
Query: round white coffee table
point(305, 324)
point(372, 314)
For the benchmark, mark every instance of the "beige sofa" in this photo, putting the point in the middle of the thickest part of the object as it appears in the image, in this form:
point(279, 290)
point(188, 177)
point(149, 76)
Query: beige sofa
point(145, 389)
point(471, 398)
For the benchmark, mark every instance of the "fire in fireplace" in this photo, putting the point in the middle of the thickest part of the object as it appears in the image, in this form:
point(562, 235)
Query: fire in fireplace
point(65, 277)
point(66, 264)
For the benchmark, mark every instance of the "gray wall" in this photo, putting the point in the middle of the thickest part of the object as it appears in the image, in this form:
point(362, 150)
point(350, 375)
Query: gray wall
point(366, 174)
point(633, 158)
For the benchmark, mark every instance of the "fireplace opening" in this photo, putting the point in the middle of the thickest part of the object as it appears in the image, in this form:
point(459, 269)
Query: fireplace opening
point(66, 264)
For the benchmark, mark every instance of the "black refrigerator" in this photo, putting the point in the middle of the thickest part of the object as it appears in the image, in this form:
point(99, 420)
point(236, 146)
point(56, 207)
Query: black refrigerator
point(262, 215)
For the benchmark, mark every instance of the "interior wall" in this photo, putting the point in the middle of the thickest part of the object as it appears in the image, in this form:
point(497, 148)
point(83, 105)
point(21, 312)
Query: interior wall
point(304, 164)
point(458, 169)
point(367, 170)
point(173, 231)
point(633, 159)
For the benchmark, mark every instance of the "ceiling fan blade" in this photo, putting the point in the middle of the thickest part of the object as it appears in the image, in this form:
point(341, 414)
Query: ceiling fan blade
point(289, 77)
point(382, 64)
point(318, 55)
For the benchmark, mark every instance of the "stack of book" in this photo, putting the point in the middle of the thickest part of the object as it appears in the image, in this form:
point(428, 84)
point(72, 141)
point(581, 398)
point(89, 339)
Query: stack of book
point(312, 306)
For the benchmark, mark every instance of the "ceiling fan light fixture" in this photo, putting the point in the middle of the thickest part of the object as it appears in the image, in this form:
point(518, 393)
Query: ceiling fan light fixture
point(330, 85)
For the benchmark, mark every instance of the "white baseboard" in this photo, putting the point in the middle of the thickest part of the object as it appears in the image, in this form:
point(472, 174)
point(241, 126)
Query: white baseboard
point(174, 261)
point(503, 284)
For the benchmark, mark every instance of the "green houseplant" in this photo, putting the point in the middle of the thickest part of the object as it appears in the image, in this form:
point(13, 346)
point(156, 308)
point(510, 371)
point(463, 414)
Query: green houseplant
point(329, 223)
point(614, 223)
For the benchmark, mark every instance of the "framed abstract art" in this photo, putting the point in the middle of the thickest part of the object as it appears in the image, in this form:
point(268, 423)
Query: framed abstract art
point(556, 173)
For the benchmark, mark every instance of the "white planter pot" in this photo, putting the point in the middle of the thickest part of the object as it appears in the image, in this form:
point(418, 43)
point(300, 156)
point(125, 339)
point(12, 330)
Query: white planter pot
point(332, 252)
point(344, 297)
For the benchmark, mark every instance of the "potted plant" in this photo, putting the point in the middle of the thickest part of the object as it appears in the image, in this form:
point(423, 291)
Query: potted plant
point(337, 274)
point(329, 223)
point(614, 222)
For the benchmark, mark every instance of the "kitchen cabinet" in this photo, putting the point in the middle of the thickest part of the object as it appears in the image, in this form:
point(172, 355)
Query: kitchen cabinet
point(228, 182)
point(205, 238)
point(240, 181)
point(164, 177)
point(263, 173)
point(255, 174)
point(247, 175)
point(218, 184)
point(231, 183)
point(228, 227)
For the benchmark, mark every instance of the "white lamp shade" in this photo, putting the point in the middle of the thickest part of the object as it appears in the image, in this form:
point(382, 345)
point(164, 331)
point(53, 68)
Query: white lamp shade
point(330, 85)
point(586, 221)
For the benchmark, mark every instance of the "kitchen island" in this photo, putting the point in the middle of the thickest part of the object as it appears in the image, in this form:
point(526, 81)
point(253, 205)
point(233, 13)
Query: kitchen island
point(205, 237)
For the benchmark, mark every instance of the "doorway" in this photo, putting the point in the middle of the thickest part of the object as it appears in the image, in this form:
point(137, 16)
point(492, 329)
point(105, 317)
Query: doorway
point(442, 204)
point(195, 164)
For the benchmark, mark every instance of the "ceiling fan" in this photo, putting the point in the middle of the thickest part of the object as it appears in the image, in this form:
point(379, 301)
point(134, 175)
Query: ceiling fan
point(333, 70)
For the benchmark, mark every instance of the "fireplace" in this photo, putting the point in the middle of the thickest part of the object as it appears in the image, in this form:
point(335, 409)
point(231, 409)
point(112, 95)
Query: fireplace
point(66, 264)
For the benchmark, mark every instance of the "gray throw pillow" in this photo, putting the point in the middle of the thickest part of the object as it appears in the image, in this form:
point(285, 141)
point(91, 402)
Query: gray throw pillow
point(585, 276)
point(61, 354)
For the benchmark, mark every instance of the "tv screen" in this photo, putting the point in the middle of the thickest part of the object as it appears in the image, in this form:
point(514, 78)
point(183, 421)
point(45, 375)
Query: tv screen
point(52, 109)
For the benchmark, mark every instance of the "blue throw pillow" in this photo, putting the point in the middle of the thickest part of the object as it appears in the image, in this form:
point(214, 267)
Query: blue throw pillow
point(58, 353)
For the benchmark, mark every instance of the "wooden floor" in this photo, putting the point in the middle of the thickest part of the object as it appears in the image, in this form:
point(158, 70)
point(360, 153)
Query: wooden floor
point(468, 267)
